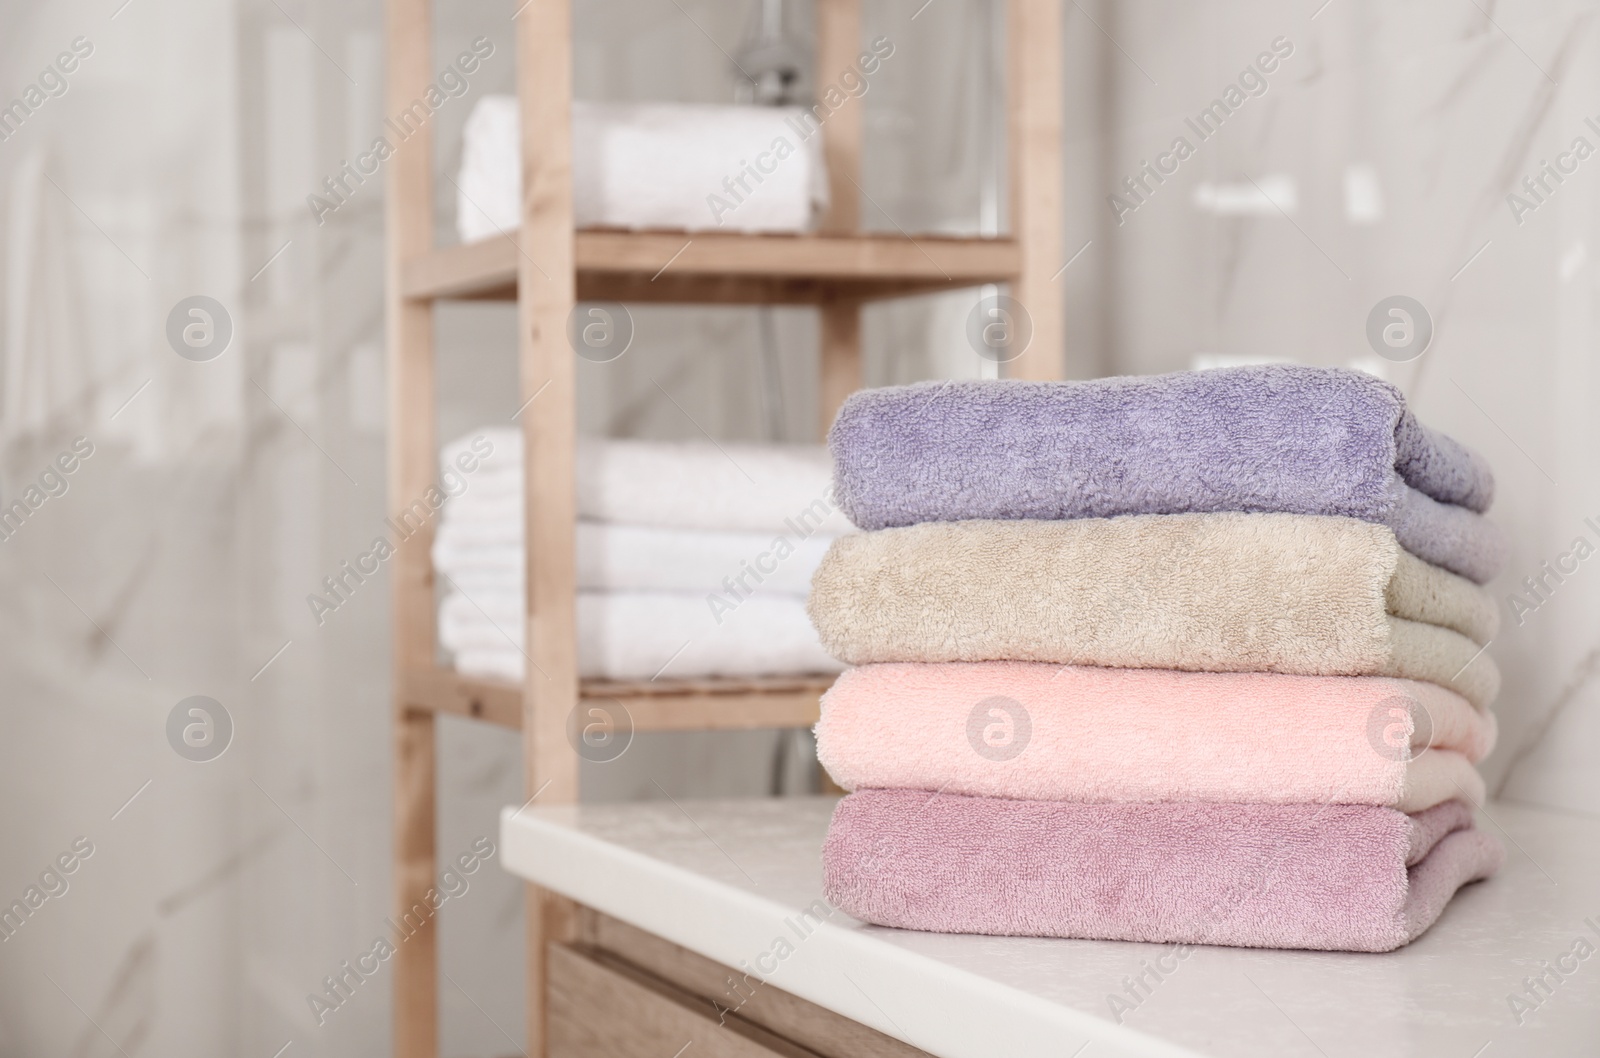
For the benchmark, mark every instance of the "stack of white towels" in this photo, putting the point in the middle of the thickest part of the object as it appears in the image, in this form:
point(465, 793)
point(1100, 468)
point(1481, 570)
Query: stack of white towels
point(693, 559)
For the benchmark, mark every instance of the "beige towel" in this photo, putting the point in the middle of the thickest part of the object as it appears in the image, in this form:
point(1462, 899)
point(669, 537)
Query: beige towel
point(1315, 596)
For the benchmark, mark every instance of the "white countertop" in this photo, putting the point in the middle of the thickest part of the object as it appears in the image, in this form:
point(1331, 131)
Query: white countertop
point(721, 879)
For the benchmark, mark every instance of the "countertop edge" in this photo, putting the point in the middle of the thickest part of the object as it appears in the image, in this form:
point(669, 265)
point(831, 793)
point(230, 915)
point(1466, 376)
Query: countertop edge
point(969, 1016)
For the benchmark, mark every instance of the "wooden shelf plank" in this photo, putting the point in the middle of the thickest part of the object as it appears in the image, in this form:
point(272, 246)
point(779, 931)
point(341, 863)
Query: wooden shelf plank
point(444, 691)
point(724, 267)
point(654, 705)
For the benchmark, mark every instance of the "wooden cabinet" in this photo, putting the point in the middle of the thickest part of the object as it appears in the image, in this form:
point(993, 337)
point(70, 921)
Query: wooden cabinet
point(600, 1008)
point(618, 992)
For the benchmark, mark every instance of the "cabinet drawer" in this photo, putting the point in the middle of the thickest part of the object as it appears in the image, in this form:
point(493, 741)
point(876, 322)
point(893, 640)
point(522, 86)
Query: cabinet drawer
point(767, 1007)
point(602, 1008)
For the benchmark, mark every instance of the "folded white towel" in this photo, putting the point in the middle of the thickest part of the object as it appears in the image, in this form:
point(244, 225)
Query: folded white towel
point(641, 636)
point(670, 484)
point(651, 165)
point(486, 506)
point(635, 558)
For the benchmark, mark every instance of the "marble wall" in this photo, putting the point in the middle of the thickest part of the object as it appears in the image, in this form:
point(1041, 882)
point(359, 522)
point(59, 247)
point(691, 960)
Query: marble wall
point(176, 162)
point(1377, 160)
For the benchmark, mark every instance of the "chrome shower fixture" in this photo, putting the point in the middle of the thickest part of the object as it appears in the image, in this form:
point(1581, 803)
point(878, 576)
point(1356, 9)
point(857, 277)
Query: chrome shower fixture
point(773, 64)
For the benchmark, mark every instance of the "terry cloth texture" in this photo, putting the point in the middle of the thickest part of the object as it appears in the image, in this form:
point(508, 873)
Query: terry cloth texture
point(1329, 877)
point(1288, 593)
point(1285, 438)
point(489, 556)
point(1027, 731)
point(640, 636)
point(667, 484)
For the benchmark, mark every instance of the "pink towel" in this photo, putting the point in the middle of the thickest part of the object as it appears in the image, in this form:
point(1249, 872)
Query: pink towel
point(1328, 877)
point(1050, 733)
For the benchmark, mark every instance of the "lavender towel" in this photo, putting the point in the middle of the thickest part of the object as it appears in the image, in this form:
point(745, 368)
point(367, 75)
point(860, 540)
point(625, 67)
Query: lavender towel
point(1327, 877)
point(1300, 440)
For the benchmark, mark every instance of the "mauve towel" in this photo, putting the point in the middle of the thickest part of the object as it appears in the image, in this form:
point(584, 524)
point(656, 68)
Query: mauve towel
point(1295, 593)
point(1037, 732)
point(1328, 877)
point(1280, 437)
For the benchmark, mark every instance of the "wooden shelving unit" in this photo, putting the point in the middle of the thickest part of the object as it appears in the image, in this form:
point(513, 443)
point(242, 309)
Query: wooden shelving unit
point(547, 267)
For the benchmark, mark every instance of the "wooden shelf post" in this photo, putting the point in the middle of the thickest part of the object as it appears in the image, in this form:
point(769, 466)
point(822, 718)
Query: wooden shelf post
point(838, 45)
point(1035, 108)
point(546, 293)
point(413, 452)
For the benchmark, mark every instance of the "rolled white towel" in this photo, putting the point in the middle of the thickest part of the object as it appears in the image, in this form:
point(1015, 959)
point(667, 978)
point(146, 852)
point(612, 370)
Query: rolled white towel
point(651, 165)
point(671, 484)
point(642, 635)
point(636, 558)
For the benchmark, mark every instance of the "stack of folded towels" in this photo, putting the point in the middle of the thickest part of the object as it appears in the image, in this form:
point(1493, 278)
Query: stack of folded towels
point(692, 559)
point(1191, 658)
